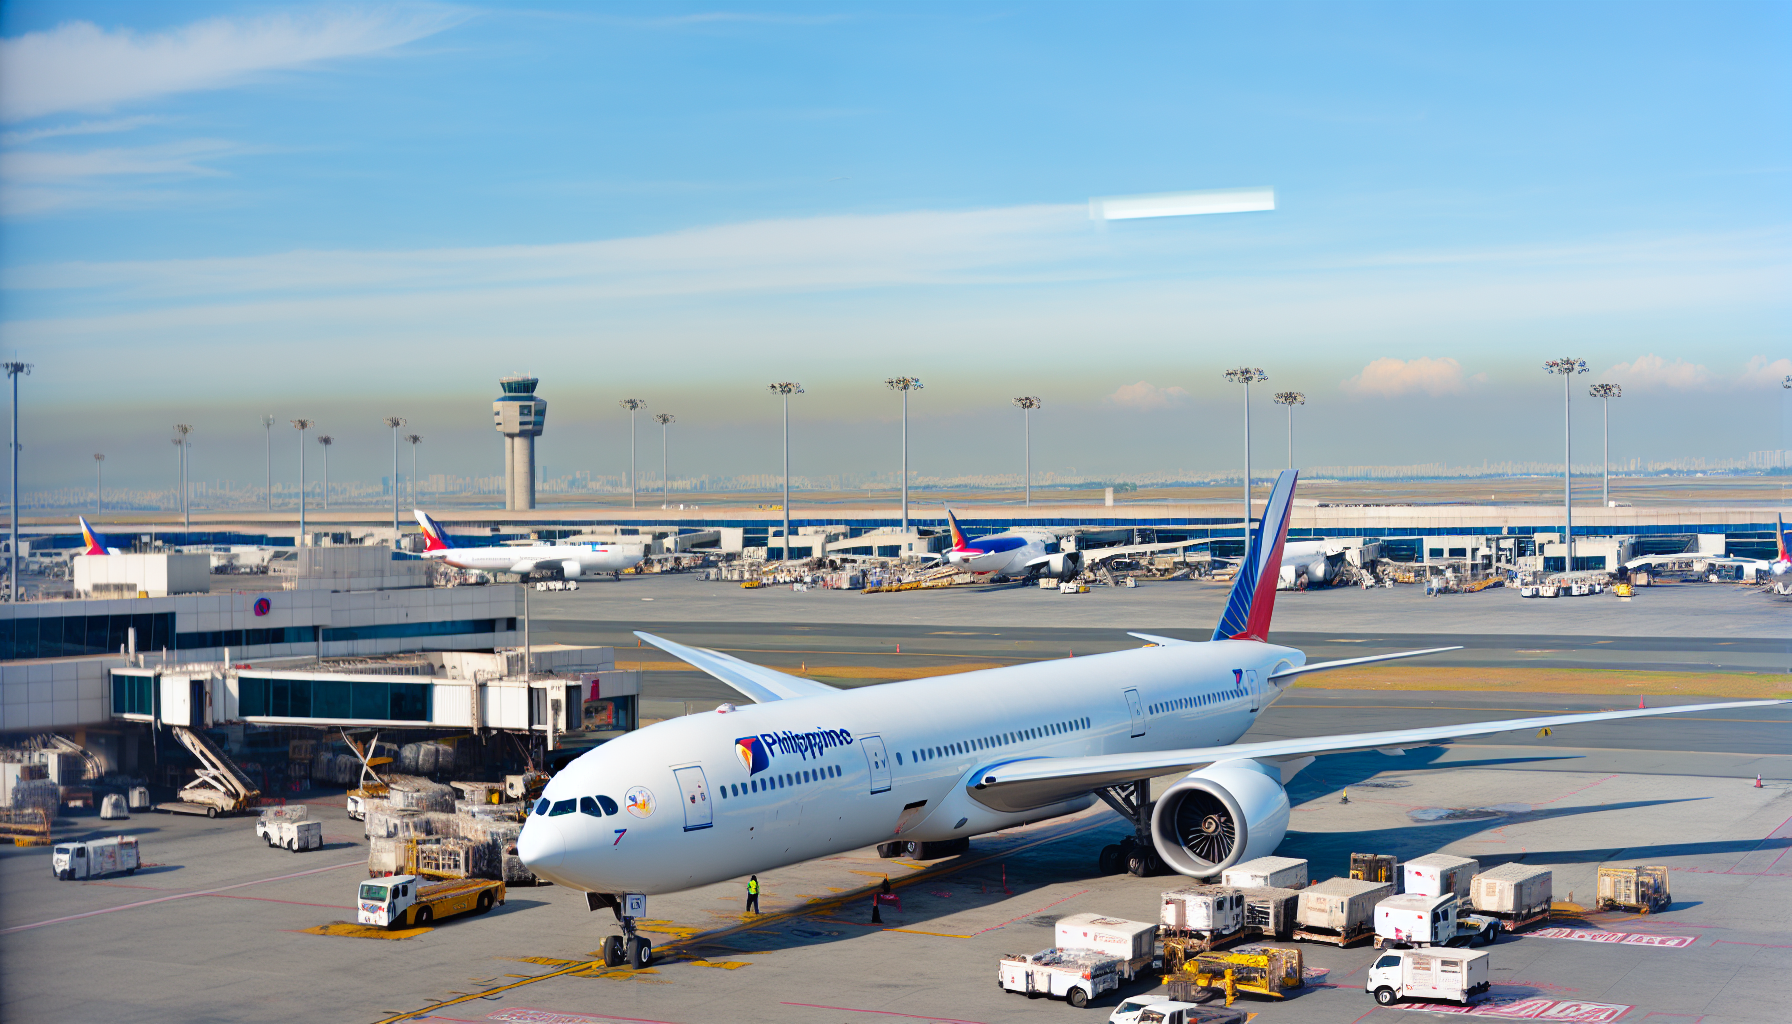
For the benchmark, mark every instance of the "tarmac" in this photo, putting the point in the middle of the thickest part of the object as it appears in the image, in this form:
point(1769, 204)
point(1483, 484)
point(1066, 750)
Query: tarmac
point(215, 928)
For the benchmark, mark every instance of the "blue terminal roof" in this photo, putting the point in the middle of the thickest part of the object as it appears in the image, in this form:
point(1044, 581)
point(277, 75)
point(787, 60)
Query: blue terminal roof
point(519, 385)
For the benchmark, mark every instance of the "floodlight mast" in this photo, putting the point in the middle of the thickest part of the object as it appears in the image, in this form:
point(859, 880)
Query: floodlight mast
point(1567, 367)
point(326, 440)
point(1026, 404)
point(1605, 393)
point(15, 370)
point(1247, 375)
point(904, 385)
point(99, 491)
point(267, 425)
point(784, 389)
point(632, 404)
point(186, 518)
point(301, 425)
point(414, 440)
point(394, 422)
point(664, 419)
point(1290, 399)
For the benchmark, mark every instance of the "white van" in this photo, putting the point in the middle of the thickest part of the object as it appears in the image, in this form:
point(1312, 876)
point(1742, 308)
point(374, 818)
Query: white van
point(1447, 974)
point(1155, 1010)
point(96, 857)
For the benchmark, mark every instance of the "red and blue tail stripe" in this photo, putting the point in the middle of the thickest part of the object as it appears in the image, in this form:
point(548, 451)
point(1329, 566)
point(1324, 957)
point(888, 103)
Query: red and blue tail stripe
point(435, 538)
point(1253, 597)
point(958, 538)
point(96, 544)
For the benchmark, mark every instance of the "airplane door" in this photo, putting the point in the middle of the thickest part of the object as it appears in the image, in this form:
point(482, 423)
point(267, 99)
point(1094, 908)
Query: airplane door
point(694, 789)
point(879, 761)
point(1137, 708)
point(1250, 681)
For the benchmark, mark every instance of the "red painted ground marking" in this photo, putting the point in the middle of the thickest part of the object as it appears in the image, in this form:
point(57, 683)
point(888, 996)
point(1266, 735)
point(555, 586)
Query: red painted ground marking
point(178, 896)
point(270, 899)
point(1041, 910)
point(1615, 938)
point(1575, 1010)
point(1676, 1016)
point(886, 1013)
point(1771, 836)
point(1734, 942)
point(531, 1015)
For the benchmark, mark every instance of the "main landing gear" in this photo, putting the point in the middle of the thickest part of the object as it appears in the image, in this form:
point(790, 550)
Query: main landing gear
point(1135, 854)
point(629, 948)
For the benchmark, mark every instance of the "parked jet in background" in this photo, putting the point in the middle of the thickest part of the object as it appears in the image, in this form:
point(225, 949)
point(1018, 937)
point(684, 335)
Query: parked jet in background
point(568, 561)
point(96, 543)
point(1780, 565)
point(919, 767)
point(1035, 552)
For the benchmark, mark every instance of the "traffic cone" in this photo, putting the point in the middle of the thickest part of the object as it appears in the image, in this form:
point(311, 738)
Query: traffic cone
point(1640, 703)
point(876, 917)
point(1757, 780)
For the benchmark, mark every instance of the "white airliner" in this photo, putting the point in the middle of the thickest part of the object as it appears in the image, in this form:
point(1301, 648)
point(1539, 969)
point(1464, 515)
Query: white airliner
point(1780, 565)
point(809, 771)
point(568, 561)
point(1034, 552)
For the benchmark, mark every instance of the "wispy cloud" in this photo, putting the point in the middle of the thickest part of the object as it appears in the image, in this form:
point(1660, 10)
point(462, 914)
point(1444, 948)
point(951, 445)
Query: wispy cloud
point(1760, 372)
point(1653, 372)
point(1387, 377)
point(80, 66)
point(116, 124)
point(1148, 397)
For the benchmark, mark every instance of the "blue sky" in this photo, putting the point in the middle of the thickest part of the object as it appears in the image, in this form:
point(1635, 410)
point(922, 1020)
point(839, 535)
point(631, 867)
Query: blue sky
point(208, 211)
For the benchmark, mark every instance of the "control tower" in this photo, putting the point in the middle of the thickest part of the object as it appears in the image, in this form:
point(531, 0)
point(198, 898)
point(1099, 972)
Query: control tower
point(519, 416)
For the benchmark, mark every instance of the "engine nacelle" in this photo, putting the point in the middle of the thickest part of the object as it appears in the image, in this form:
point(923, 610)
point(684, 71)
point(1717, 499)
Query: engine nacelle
point(570, 569)
point(1319, 572)
point(1064, 564)
point(1225, 813)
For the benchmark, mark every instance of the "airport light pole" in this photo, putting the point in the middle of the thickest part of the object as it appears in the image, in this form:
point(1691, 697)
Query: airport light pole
point(1026, 404)
point(414, 440)
point(301, 426)
point(1290, 399)
point(664, 419)
point(633, 405)
point(1567, 367)
point(326, 440)
point(786, 388)
point(394, 422)
point(99, 485)
point(1605, 393)
point(1247, 375)
point(267, 424)
point(15, 370)
point(904, 385)
point(180, 465)
point(186, 510)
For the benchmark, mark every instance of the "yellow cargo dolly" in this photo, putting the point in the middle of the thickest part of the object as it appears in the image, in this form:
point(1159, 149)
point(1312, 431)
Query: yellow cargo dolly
point(1261, 970)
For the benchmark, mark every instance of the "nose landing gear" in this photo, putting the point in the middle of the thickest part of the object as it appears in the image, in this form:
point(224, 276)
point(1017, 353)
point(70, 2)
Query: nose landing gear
point(629, 948)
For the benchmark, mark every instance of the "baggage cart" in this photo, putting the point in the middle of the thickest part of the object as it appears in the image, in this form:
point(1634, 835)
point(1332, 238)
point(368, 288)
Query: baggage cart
point(1134, 943)
point(112, 807)
point(1261, 970)
point(1339, 911)
point(1516, 894)
point(1375, 867)
point(1640, 889)
point(1074, 975)
point(1270, 911)
point(1438, 874)
point(1267, 873)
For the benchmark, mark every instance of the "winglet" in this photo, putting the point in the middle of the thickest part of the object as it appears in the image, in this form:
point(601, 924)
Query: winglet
point(436, 538)
point(96, 544)
point(1253, 597)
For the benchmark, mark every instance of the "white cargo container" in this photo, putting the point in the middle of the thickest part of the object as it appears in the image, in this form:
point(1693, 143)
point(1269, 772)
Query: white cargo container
point(139, 798)
point(296, 835)
point(95, 857)
point(1270, 911)
point(1436, 874)
point(1075, 975)
point(1267, 873)
point(1416, 920)
point(112, 807)
point(1515, 893)
point(1134, 943)
point(1215, 909)
point(1339, 910)
point(1449, 975)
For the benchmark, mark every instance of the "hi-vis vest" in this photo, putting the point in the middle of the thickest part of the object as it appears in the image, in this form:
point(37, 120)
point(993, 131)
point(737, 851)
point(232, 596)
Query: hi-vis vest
point(753, 887)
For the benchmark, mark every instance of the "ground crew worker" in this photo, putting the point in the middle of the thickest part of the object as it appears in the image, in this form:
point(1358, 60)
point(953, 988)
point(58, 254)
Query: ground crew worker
point(753, 894)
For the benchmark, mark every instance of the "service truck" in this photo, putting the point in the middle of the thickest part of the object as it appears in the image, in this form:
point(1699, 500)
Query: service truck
point(410, 901)
point(1452, 976)
point(1418, 920)
point(1133, 942)
point(1074, 975)
point(289, 827)
point(95, 857)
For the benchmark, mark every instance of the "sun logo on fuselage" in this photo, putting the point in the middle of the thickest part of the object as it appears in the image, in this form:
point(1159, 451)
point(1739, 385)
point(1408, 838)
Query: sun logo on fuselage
point(752, 753)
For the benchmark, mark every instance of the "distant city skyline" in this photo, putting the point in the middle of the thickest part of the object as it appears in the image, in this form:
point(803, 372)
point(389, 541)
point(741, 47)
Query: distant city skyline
point(218, 211)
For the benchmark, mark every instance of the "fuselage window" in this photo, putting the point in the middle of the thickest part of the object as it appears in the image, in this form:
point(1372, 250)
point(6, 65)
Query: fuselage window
point(899, 757)
point(755, 785)
point(562, 807)
point(589, 806)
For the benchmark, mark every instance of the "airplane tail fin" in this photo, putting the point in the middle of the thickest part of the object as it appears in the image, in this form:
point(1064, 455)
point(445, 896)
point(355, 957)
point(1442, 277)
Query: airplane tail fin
point(1253, 597)
point(1779, 534)
point(96, 544)
point(958, 538)
point(435, 538)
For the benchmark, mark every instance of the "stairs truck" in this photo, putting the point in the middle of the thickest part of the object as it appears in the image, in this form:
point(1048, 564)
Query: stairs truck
point(403, 901)
point(220, 788)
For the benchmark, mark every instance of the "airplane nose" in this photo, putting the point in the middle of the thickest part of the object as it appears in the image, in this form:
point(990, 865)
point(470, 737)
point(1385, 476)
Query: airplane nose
point(541, 845)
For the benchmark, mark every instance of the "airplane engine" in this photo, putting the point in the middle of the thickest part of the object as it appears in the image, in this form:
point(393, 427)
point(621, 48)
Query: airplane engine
point(1223, 814)
point(1780, 568)
point(1319, 572)
point(1064, 564)
point(569, 569)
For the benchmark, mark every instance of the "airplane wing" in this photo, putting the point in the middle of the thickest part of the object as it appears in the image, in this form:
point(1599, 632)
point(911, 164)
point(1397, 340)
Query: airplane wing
point(759, 684)
point(1035, 782)
point(1094, 556)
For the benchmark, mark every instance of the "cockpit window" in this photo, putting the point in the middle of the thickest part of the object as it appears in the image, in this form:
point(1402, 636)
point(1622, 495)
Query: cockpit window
point(607, 804)
point(589, 806)
point(541, 806)
point(562, 807)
